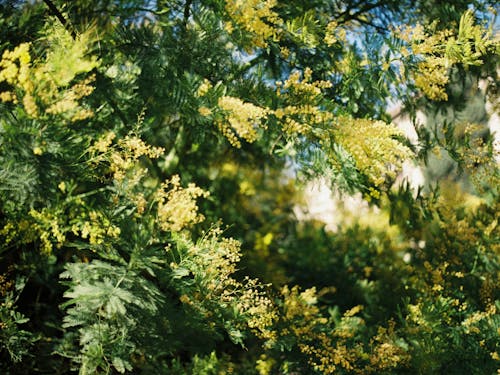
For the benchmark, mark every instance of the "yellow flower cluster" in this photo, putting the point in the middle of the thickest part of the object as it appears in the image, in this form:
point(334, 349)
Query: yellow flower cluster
point(204, 111)
point(349, 62)
point(136, 148)
point(463, 233)
point(334, 34)
point(122, 160)
point(416, 316)
point(326, 351)
point(177, 208)
point(386, 354)
point(470, 322)
point(216, 257)
point(480, 159)
point(255, 17)
point(203, 89)
point(50, 227)
point(68, 103)
point(300, 112)
point(304, 88)
point(102, 144)
point(42, 87)
point(240, 119)
point(373, 146)
point(451, 206)
point(95, 226)
point(213, 261)
point(431, 74)
point(10, 72)
point(22, 230)
point(488, 290)
point(123, 157)
point(264, 365)
point(15, 69)
point(431, 77)
point(257, 309)
point(440, 50)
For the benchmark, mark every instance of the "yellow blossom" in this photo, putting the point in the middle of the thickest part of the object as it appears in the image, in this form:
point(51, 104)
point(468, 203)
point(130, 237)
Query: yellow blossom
point(437, 288)
point(240, 119)
point(177, 206)
point(204, 111)
point(264, 365)
point(104, 142)
point(30, 105)
point(438, 51)
point(8, 96)
point(300, 112)
point(353, 311)
point(204, 87)
point(285, 52)
point(334, 34)
point(377, 153)
point(45, 86)
point(62, 186)
point(255, 17)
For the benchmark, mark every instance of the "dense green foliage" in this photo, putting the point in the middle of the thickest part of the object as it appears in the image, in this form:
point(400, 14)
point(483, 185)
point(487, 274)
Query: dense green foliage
point(153, 157)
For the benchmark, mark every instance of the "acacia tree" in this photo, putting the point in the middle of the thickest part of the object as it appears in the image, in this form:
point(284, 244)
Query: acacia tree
point(129, 129)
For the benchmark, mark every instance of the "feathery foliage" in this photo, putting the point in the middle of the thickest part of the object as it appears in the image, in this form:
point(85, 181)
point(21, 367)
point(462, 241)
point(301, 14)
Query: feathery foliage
point(152, 159)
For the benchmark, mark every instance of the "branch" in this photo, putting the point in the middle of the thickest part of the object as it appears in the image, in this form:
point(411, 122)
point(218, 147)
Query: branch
point(348, 10)
point(187, 7)
point(60, 17)
point(347, 15)
point(379, 28)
